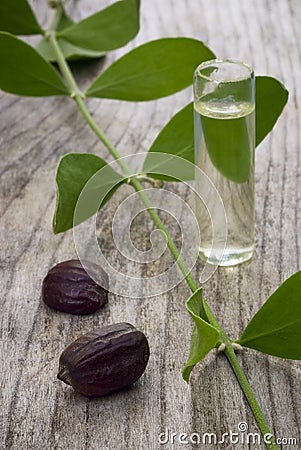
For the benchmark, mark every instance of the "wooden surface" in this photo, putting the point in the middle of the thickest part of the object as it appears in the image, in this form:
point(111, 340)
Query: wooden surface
point(38, 411)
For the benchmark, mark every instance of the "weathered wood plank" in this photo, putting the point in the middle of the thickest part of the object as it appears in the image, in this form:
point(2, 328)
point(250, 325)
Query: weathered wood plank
point(38, 411)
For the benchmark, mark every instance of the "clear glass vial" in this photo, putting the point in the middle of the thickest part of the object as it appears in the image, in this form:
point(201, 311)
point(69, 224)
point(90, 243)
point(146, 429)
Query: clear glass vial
point(224, 124)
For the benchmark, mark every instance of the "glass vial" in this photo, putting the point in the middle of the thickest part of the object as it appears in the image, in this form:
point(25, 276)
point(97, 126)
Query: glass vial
point(224, 124)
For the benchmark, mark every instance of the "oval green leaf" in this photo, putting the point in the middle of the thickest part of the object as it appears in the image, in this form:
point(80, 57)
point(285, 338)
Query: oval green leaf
point(71, 52)
point(153, 70)
point(73, 173)
point(204, 336)
point(179, 133)
point(16, 17)
point(276, 327)
point(175, 138)
point(25, 72)
point(270, 98)
point(111, 28)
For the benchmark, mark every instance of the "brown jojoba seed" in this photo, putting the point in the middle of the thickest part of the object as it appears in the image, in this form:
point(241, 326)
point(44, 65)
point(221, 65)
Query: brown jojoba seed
point(67, 287)
point(105, 360)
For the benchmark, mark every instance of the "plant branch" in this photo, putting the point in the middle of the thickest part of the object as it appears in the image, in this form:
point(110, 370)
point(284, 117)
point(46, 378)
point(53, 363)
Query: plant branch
point(76, 94)
point(135, 182)
point(73, 88)
point(78, 97)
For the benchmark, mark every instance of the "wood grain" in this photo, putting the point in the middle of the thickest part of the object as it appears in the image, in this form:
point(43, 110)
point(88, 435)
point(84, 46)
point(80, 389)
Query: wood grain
point(37, 411)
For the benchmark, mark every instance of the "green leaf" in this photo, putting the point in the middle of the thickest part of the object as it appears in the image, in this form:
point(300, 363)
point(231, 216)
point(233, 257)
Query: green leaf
point(25, 72)
point(271, 98)
point(175, 138)
point(73, 173)
point(153, 70)
point(106, 30)
point(71, 52)
point(204, 336)
point(16, 17)
point(180, 136)
point(168, 167)
point(276, 327)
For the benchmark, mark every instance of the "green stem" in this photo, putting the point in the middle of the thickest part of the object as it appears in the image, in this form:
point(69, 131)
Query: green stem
point(135, 182)
point(171, 245)
point(99, 133)
point(73, 88)
point(247, 390)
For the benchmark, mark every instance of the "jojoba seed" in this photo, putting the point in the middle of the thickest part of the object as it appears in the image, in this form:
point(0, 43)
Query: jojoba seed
point(67, 287)
point(105, 360)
